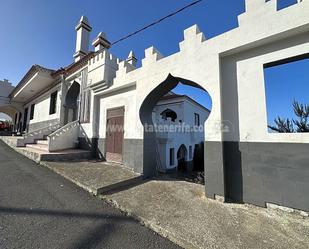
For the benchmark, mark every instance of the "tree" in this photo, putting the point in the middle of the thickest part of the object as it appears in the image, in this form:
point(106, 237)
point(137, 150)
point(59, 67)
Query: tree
point(300, 124)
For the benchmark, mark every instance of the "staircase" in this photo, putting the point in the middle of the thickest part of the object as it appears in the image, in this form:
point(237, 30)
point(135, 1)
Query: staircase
point(56, 145)
point(40, 144)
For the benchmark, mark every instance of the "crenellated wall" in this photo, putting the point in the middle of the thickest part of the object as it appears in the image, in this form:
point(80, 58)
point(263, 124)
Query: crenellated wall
point(102, 69)
point(243, 162)
point(230, 68)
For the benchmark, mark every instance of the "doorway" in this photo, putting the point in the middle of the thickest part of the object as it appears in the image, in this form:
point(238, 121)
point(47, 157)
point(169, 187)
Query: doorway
point(182, 158)
point(71, 103)
point(114, 134)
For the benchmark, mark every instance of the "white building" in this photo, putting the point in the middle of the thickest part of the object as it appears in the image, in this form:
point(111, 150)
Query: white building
point(179, 123)
point(243, 161)
point(5, 89)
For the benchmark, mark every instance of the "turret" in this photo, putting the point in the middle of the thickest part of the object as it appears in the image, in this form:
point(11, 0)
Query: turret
point(101, 42)
point(131, 59)
point(83, 30)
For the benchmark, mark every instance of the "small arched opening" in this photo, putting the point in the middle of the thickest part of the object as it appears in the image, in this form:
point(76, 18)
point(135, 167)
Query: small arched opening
point(71, 103)
point(168, 113)
point(173, 123)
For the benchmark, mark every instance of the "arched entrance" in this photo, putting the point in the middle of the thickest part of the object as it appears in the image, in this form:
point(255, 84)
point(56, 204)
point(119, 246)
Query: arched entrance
point(182, 155)
point(151, 149)
point(5, 123)
point(8, 119)
point(71, 103)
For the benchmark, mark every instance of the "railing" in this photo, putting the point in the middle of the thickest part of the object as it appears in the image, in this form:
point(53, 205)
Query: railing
point(64, 138)
point(37, 134)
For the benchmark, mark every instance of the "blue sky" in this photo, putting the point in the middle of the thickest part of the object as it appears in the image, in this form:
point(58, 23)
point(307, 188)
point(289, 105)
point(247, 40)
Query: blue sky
point(42, 32)
point(283, 84)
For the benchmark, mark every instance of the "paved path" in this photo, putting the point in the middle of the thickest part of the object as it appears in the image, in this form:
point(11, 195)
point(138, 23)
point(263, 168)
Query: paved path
point(179, 210)
point(40, 209)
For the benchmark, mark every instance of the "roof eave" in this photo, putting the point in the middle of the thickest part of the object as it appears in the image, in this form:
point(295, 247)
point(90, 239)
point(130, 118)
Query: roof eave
point(28, 76)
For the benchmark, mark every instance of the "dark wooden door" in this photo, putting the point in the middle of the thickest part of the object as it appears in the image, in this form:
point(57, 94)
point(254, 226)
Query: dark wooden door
point(114, 134)
point(109, 135)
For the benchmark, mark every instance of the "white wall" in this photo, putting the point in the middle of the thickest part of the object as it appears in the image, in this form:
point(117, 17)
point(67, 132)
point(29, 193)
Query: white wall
point(210, 63)
point(199, 60)
point(88, 129)
point(41, 109)
point(251, 88)
point(185, 110)
point(127, 100)
point(176, 107)
point(189, 110)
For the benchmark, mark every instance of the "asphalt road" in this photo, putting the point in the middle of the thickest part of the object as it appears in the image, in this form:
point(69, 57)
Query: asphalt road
point(40, 209)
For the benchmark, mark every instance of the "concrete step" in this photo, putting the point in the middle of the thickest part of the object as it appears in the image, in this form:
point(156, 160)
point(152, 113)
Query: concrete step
point(64, 155)
point(67, 155)
point(41, 141)
point(38, 155)
point(43, 147)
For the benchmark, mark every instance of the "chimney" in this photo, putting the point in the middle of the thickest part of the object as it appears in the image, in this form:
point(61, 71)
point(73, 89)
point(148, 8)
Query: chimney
point(83, 30)
point(101, 42)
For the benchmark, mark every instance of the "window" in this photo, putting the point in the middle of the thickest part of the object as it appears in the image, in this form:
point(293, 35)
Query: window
point(25, 119)
point(168, 113)
point(53, 103)
point(287, 92)
point(190, 152)
point(197, 119)
point(31, 111)
point(172, 152)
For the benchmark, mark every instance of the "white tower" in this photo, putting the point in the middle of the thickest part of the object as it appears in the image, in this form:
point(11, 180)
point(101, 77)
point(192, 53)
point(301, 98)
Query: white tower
point(83, 30)
point(101, 42)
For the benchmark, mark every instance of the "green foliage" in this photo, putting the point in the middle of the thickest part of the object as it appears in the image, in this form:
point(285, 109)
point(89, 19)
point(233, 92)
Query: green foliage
point(300, 124)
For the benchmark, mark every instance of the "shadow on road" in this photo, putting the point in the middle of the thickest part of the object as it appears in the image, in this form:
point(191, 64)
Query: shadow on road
point(94, 236)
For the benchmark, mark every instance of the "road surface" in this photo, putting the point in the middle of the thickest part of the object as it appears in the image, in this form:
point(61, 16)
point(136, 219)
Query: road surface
point(40, 209)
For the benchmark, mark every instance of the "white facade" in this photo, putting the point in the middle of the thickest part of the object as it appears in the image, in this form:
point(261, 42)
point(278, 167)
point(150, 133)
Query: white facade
point(42, 106)
point(187, 129)
point(229, 67)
